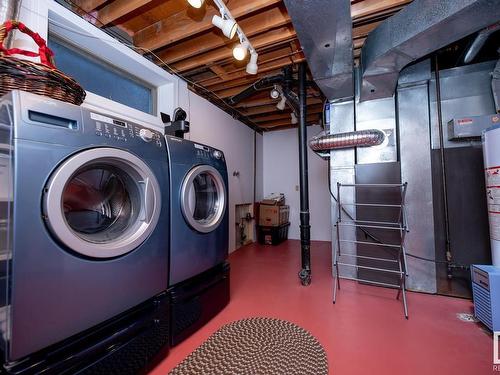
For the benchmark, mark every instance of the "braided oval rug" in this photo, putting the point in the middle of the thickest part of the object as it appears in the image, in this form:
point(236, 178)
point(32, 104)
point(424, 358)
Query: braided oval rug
point(257, 346)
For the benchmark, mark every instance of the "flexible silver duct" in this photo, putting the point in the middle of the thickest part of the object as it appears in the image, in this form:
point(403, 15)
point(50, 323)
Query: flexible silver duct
point(361, 138)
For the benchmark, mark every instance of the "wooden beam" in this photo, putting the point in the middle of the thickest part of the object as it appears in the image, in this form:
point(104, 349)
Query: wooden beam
point(181, 25)
point(264, 99)
point(274, 37)
point(372, 8)
point(282, 115)
point(117, 9)
point(242, 83)
point(253, 25)
point(89, 5)
point(310, 118)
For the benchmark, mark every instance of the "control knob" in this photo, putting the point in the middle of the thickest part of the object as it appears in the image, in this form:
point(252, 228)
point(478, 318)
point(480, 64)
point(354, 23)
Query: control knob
point(146, 135)
point(217, 154)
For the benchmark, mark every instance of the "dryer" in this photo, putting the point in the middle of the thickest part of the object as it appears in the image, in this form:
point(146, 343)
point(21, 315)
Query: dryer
point(85, 222)
point(199, 234)
point(199, 216)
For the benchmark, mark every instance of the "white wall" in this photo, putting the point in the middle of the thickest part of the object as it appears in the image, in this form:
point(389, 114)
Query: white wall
point(216, 128)
point(281, 174)
point(259, 172)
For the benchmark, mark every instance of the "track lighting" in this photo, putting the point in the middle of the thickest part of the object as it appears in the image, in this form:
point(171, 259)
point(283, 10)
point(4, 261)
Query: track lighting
point(252, 67)
point(240, 51)
point(230, 28)
point(227, 25)
point(196, 3)
point(281, 105)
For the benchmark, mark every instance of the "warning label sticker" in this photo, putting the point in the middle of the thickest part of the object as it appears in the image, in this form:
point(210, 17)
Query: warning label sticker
point(493, 197)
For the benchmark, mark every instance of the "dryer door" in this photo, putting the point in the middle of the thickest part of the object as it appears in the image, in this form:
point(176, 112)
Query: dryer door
point(102, 202)
point(203, 198)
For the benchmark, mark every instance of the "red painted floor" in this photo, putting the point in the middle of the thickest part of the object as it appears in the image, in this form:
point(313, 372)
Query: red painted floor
point(364, 333)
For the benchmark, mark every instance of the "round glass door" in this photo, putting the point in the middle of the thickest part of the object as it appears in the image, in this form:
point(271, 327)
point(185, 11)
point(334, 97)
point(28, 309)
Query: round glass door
point(203, 198)
point(102, 202)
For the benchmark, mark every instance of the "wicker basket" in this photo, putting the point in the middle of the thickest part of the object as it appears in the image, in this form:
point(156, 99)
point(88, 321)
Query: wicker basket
point(38, 78)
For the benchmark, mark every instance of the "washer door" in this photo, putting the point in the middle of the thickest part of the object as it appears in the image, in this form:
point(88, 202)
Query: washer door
point(102, 202)
point(203, 198)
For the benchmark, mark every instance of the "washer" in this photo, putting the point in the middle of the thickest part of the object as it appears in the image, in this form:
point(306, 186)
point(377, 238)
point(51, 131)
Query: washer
point(199, 217)
point(85, 214)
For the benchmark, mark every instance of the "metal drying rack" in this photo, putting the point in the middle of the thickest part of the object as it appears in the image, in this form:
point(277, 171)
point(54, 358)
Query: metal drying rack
point(400, 225)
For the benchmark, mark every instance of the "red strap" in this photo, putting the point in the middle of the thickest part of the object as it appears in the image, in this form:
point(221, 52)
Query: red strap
point(44, 52)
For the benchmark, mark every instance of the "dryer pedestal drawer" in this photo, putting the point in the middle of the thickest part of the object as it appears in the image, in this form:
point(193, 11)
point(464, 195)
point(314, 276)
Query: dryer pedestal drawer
point(194, 302)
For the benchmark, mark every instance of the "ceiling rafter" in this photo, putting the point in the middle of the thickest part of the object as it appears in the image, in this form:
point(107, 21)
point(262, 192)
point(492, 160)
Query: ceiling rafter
point(181, 25)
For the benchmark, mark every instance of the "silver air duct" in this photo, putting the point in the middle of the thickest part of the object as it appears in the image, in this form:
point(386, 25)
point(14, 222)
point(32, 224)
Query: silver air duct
point(422, 27)
point(361, 138)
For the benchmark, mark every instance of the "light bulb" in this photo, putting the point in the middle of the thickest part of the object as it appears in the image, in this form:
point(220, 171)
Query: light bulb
point(275, 94)
point(196, 3)
point(240, 51)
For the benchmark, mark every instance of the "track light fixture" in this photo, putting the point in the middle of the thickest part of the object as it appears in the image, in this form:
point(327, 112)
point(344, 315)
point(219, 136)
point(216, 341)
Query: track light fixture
point(252, 67)
point(281, 105)
point(227, 25)
point(230, 28)
point(275, 92)
point(196, 3)
point(240, 51)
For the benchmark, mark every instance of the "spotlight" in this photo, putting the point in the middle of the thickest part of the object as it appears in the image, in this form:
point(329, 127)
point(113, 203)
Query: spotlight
point(252, 67)
point(228, 26)
point(282, 103)
point(275, 94)
point(196, 3)
point(240, 51)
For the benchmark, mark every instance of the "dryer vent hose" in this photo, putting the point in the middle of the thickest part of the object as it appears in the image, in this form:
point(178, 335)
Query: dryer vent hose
point(361, 138)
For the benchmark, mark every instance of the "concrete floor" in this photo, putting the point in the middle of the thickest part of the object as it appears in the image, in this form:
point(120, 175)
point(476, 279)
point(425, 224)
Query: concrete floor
point(364, 333)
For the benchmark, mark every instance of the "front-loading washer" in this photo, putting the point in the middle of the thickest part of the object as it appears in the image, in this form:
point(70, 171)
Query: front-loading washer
point(199, 235)
point(84, 219)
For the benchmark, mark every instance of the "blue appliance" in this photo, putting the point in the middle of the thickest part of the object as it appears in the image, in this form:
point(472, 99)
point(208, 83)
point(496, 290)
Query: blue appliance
point(199, 235)
point(84, 219)
point(486, 295)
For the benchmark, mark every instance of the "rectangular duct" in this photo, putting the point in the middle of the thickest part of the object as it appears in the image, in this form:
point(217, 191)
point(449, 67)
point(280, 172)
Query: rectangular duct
point(324, 28)
point(422, 27)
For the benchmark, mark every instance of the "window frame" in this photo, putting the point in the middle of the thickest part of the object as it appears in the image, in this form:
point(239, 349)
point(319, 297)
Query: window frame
point(40, 15)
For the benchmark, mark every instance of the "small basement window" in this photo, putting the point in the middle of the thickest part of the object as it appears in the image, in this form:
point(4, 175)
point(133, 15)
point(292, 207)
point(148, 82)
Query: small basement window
point(101, 78)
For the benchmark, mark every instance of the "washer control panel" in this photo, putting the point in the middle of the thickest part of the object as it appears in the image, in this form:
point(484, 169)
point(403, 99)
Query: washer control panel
point(206, 152)
point(123, 131)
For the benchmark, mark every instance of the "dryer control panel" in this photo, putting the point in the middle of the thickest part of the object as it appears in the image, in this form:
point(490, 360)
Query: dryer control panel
point(124, 131)
point(205, 152)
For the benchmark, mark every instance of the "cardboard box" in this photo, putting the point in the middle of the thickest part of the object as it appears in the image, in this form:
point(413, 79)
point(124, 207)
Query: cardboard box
point(273, 216)
point(274, 199)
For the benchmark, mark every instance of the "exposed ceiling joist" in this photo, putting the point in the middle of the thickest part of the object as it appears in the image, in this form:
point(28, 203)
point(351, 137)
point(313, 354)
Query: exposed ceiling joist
point(89, 5)
point(181, 26)
point(118, 9)
point(267, 20)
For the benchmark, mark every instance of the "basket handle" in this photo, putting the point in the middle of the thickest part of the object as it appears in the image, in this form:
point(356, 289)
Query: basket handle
point(45, 53)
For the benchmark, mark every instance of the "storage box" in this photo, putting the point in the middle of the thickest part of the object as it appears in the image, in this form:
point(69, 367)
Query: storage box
point(272, 235)
point(274, 199)
point(272, 216)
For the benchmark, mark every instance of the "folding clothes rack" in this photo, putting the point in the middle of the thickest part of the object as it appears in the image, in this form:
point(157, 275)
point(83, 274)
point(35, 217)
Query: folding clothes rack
point(401, 226)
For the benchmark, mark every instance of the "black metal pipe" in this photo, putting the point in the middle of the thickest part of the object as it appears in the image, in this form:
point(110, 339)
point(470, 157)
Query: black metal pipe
point(259, 85)
point(443, 170)
point(305, 228)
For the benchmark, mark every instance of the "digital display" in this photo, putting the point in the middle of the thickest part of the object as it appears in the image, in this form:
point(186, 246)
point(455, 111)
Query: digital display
point(120, 123)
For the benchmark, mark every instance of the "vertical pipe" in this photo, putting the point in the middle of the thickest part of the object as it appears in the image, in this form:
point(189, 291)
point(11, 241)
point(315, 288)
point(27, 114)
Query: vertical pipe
point(305, 228)
point(443, 168)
